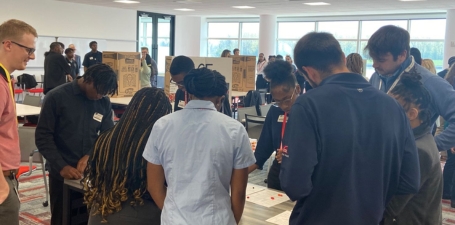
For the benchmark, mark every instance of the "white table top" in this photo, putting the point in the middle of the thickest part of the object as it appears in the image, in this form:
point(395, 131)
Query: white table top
point(238, 93)
point(27, 110)
point(121, 101)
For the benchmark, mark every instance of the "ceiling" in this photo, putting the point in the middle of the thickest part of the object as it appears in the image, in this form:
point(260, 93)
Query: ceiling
point(223, 8)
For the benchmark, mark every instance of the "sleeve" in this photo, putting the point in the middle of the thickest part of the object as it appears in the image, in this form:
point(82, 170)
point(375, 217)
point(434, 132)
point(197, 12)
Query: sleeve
point(3, 97)
point(440, 128)
point(85, 62)
point(151, 150)
point(300, 157)
point(64, 64)
point(179, 96)
point(44, 134)
point(108, 121)
point(144, 68)
point(265, 147)
point(443, 96)
point(409, 182)
point(243, 153)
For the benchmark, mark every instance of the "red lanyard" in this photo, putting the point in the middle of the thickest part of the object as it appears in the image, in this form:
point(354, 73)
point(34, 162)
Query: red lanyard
point(283, 128)
point(186, 98)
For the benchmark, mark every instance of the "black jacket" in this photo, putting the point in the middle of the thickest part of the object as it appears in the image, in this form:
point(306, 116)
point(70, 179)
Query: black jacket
point(55, 70)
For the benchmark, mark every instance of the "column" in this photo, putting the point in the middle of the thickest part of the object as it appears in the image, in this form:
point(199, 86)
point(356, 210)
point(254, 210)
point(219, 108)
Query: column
point(267, 35)
point(187, 35)
point(449, 45)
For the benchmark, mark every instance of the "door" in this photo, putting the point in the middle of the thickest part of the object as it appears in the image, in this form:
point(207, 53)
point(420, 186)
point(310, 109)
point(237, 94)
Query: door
point(156, 32)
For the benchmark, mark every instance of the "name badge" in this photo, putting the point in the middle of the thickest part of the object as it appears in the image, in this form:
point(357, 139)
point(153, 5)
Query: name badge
point(98, 117)
point(181, 104)
point(91, 58)
point(281, 118)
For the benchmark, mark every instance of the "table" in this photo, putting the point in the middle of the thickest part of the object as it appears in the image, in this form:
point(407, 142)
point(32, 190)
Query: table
point(121, 101)
point(253, 214)
point(238, 93)
point(27, 110)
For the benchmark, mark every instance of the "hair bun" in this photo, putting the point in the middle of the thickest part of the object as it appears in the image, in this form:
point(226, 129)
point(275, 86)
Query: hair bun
point(411, 79)
point(278, 71)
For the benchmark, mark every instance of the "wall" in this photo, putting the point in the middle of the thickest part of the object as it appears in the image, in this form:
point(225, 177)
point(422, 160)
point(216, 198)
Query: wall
point(188, 35)
point(63, 19)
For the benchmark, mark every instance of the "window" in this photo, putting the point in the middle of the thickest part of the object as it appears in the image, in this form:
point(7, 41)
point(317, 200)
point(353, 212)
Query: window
point(294, 30)
point(340, 29)
point(369, 27)
point(244, 36)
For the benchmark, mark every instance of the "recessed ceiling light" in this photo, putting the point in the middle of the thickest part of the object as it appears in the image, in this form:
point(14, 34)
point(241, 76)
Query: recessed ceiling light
point(243, 7)
point(316, 3)
point(412, 0)
point(187, 2)
point(185, 9)
point(126, 1)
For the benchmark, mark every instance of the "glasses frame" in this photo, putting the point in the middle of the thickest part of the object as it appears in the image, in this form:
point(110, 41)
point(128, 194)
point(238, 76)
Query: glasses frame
point(30, 51)
point(277, 104)
point(175, 83)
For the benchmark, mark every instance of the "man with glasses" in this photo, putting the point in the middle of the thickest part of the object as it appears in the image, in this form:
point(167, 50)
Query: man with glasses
point(348, 147)
point(18, 47)
point(76, 57)
point(56, 68)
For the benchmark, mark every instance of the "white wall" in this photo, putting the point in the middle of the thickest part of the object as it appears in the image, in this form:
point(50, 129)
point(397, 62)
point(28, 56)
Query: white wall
point(62, 19)
point(187, 35)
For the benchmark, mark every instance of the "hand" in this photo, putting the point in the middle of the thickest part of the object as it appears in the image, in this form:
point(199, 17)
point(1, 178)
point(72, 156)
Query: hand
point(70, 172)
point(279, 155)
point(452, 150)
point(4, 189)
point(69, 78)
point(82, 164)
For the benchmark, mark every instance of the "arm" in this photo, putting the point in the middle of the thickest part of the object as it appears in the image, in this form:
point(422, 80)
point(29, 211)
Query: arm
point(239, 181)
point(85, 62)
point(264, 148)
point(107, 122)
point(301, 157)
point(145, 68)
point(410, 168)
point(443, 96)
point(4, 187)
point(155, 184)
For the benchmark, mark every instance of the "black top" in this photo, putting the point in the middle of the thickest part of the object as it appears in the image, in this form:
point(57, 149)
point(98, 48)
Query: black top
point(69, 124)
point(443, 73)
point(73, 68)
point(55, 70)
point(180, 96)
point(92, 58)
point(348, 149)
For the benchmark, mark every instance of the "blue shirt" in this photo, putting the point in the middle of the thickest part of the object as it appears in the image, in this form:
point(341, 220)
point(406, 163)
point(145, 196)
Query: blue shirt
point(348, 149)
point(92, 58)
point(442, 95)
point(198, 148)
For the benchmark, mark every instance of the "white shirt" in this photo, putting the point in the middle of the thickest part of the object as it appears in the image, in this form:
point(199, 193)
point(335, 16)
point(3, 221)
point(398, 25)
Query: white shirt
point(198, 148)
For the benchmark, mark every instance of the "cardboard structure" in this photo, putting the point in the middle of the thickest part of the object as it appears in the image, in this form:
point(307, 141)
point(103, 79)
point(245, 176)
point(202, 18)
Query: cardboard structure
point(127, 65)
point(243, 73)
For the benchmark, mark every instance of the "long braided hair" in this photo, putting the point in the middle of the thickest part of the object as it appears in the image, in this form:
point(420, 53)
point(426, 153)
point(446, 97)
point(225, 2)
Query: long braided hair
point(116, 170)
point(354, 62)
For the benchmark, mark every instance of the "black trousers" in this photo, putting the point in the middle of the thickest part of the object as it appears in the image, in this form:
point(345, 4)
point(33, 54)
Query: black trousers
point(273, 178)
point(56, 198)
point(449, 176)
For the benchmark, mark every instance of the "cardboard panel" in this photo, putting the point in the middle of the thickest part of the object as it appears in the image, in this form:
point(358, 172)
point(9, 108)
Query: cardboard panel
point(127, 66)
point(243, 73)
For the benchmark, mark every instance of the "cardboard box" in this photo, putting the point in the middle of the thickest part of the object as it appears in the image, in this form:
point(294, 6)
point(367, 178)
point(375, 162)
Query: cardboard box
point(243, 73)
point(127, 65)
point(222, 65)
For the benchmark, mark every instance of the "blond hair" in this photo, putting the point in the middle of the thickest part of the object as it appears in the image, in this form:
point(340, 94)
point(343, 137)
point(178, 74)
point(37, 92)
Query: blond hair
point(450, 75)
point(429, 65)
point(354, 62)
point(14, 30)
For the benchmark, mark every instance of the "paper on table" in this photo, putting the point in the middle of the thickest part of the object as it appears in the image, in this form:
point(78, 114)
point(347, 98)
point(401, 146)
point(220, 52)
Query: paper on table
point(267, 198)
point(253, 188)
point(280, 219)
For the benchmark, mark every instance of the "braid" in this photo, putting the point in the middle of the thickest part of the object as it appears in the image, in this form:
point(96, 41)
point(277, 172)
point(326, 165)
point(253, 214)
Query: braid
point(203, 82)
point(103, 77)
point(116, 170)
point(354, 62)
point(411, 91)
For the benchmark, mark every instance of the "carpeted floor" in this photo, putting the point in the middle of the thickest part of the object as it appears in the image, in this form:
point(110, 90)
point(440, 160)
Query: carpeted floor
point(32, 193)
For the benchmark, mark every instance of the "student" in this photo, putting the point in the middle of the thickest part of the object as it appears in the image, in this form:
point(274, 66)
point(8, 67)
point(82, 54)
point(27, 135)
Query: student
point(70, 119)
point(236, 52)
point(180, 66)
point(284, 90)
point(56, 68)
point(226, 53)
point(215, 161)
point(119, 194)
point(348, 148)
point(93, 57)
point(354, 62)
point(17, 48)
point(451, 62)
point(415, 52)
point(423, 208)
point(69, 53)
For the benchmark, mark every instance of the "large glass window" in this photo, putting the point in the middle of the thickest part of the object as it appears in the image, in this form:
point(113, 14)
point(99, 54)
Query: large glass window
point(369, 27)
point(244, 36)
point(294, 30)
point(340, 29)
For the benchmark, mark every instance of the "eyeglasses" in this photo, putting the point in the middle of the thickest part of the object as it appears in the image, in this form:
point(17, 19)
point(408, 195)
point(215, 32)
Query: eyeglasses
point(285, 102)
point(30, 51)
point(180, 84)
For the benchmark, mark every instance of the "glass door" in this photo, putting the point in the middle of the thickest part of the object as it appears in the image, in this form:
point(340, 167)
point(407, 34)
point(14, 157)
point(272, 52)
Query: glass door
point(156, 32)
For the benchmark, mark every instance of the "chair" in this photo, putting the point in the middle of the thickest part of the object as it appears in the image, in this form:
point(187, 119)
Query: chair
point(265, 109)
point(32, 100)
point(246, 110)
point(18, 92)
point(30, 154)
point(254, 125)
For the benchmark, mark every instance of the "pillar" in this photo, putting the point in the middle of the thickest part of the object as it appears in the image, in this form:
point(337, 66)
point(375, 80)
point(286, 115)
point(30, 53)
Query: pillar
point(267, 35)
point(449, 45)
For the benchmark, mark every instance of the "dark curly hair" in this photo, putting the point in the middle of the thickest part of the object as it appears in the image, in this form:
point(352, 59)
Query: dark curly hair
point(203, 82)
point(280, 73)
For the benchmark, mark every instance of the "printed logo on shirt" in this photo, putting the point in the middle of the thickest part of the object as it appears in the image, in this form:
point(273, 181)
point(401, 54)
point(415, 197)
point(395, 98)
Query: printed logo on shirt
point(98, 117)
point(285, 151)
point(181, 104)
point(91, 58)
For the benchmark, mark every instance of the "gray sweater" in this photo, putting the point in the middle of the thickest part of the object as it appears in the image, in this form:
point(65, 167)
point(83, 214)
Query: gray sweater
point(423, 208)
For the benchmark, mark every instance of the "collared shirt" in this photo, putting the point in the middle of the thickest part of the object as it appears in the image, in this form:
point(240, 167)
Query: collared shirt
point(10, 153)
point(69, 124)
point(348, 149)
point(180, 97)
point(92, 58)
point(55, 70)
point(198, 148)
point(73, 66)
